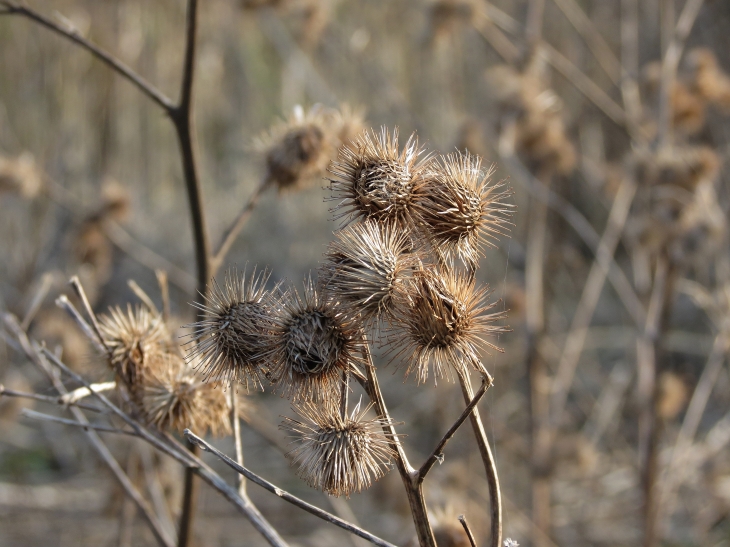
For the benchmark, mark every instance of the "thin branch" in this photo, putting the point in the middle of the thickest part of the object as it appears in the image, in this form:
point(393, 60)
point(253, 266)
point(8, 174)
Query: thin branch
point(585, 85)
point(670, 63)
point(533, 25)
point(593, 39)
point(469, 534)
point(286, 496)
point(409, 476)
point(5, 392)
point(236, 422)
point(33, 415)
point(437, 453)
point(147, 257)
point(81, 293)
point(37, 302)
point(229, 237)
point(589, 298)
point(495, 494)
point(65, 304)
point(73, 35)
point(82, 392)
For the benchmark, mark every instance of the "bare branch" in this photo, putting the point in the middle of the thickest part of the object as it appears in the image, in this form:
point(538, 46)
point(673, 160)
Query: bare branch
point(73, 35)
point(438, 451)
point(5, 392)
point(33, 415)
point(229, 237)
point(470, 535)
point(495, 494)
point(286, 496)
point(670, 63)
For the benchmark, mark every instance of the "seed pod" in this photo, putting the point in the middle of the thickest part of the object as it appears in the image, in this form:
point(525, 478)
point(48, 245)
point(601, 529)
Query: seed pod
point(134, 338)
point(174, 397)
point(297, 151)
point(311, 344)
point(444, 323)
point(367, 267)
point(231, 339)
point(460, 209)
point(338, 455)
point(374, 180)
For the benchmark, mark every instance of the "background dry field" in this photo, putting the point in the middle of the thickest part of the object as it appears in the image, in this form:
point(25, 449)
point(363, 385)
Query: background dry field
point(609, 414)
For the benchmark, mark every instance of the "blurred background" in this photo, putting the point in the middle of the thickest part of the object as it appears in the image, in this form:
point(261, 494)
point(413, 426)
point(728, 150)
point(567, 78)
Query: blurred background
point(609, 414)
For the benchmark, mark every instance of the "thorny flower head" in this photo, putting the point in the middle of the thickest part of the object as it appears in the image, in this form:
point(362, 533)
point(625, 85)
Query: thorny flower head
point(133, 339)
point(175, 397)
point(367, 267)
point(338, 455)
point(374, 179)
point(232, 337)
point(311, 344)
point(460, 209)
point(444, 324)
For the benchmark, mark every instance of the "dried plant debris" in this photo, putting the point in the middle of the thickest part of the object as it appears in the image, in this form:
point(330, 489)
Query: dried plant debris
point(175, 397)
point(232, 339)
point(335, 454)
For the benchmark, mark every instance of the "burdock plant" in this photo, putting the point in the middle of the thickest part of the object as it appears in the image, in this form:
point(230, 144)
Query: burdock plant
point(389, 277)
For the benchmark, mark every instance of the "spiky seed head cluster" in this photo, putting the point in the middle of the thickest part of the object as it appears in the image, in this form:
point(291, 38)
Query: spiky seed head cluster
point(374, 179)
point(231, 340)
point(134, 338)
point(367, 268)
point(311, 344)
point(337, 455)
point(460, 208)
point(298, 151)
point(175, 397)
point(444, 324)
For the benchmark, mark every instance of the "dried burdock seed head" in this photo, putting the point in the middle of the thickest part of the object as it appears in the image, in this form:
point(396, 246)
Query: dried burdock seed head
point(374, 179)
point(367, 268)
point(134, 339)
point(230, 341)
point(174, 397)
point(338, 455)
point(444, 324)
point(311, 343)
point(298, 151)
point(460, 209)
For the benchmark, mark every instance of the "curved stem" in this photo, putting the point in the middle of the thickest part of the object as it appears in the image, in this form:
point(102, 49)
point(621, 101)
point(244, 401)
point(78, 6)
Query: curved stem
point(410, 476)
point(495, 494)
point(229, 237)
